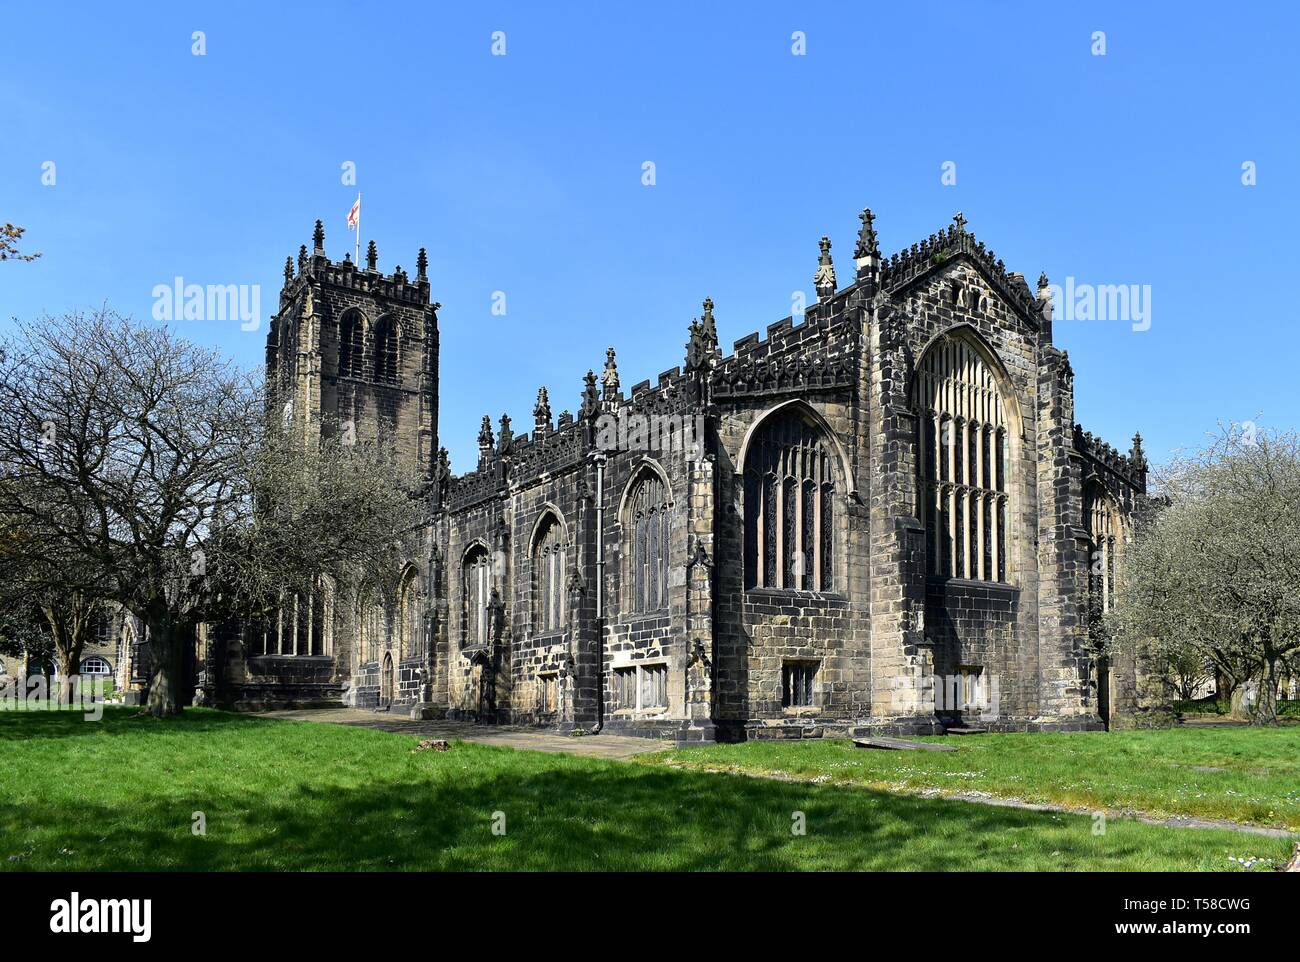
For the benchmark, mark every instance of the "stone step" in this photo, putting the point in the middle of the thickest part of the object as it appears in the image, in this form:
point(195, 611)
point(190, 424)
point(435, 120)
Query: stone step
point(956, 730)
point(901, 743)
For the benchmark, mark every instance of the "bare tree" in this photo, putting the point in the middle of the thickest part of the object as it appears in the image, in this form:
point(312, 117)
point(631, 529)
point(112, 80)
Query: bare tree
point(1214, 578)
point(144, 458)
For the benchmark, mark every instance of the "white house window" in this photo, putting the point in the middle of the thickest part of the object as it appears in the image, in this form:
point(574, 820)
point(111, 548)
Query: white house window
point(95, 666)
point(964, 463)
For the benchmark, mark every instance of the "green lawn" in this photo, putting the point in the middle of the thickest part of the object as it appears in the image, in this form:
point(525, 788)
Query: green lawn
point(120, 794)
point(1247, 775)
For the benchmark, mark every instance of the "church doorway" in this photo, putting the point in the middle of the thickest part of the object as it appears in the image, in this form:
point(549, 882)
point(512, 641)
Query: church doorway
point(386, 682)
point(1103, 691)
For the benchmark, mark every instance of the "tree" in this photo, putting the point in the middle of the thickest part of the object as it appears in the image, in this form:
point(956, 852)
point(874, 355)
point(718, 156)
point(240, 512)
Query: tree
point(40, 577)
point(145, 459)
point(1214, 577)
point(10, 235)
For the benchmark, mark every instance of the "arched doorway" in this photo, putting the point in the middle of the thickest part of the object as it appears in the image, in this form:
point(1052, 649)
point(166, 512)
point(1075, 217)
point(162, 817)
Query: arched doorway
point(386, 682)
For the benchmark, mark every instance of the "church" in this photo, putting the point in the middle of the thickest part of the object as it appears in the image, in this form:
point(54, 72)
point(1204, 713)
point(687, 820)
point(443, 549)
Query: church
point(879, 516)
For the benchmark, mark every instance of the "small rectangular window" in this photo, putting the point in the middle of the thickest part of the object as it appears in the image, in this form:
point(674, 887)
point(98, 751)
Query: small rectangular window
point(970, 692)
point(625, 688)
point(797, 683)
point(641, 687)
point(547, 689)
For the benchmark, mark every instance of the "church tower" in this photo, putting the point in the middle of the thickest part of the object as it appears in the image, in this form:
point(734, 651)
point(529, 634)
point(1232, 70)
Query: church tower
point(352, 350)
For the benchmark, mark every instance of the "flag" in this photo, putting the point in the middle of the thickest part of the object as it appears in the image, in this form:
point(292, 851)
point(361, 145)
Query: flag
point(354, 215)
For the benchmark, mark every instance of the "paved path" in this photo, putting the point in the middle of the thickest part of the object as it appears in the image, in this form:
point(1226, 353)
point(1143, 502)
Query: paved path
point(508, 736)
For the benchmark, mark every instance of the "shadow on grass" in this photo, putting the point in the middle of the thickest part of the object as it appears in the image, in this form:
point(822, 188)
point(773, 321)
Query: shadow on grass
point(26, 725)
point(297, 796)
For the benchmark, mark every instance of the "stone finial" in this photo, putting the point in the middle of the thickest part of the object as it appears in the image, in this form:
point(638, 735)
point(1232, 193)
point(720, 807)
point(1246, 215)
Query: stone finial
point(707, 326)
point(421, 265)
point(288, 270)
point(824, 279)
point(302, 258)
point(1136, 454)
point(1043, 283)
point(542, 412)
point(610, 377)
point(485, 438)
point(867, 241)
point(959, 221)
point(507, 437)
point(318, 237)
point(372, 256)
point(702, 347)
point(590, 397)
point(867, 254)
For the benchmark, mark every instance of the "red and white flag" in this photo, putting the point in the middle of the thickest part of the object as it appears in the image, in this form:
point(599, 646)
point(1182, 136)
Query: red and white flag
point(354, 215)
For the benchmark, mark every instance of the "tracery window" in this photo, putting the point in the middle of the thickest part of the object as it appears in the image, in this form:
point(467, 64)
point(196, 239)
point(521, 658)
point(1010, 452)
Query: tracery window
point(352, 334)
point(964, 464)
point(548, 576)
point(646, 524)
point(476, 589)
point(302, 624)
point(386, 351)
point(1104, 546)
point(790, 506)
point(408, 614)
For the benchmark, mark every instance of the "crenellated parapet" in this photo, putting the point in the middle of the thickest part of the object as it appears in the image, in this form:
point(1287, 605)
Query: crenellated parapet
point(1130, 468)
point(317, 268)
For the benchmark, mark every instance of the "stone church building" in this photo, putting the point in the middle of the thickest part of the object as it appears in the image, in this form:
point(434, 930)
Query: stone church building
point(879, 515)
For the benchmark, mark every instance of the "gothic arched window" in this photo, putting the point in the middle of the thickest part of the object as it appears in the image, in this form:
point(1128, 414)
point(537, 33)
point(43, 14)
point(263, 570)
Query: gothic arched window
point(408, 614)
point(1103, 549)
point(352, 340)
point(476, 587)
point(372, 626)
point(386, 351)
point(548, 576)
point(790, 506)
point(964, 461)
point(645, 526)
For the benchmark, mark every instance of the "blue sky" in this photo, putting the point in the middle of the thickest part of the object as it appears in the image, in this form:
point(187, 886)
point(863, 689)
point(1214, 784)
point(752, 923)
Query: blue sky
point(523, 174)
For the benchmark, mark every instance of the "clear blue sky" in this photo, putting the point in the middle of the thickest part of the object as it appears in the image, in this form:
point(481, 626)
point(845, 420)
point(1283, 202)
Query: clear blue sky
point(523, 173)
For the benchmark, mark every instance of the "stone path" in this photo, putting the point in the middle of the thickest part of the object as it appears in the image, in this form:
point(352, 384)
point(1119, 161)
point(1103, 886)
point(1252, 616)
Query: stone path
point(507, 736)
point(621, 747)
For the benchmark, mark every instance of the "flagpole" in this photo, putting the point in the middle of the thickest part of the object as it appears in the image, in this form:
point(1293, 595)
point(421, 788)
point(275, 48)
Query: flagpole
point(358, 259)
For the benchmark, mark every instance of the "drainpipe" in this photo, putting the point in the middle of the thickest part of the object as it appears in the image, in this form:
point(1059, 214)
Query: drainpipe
point(600, 592)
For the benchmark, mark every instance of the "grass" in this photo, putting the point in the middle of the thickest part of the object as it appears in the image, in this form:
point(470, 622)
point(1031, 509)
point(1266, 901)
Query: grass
point(1246, 775)
point(278, 795)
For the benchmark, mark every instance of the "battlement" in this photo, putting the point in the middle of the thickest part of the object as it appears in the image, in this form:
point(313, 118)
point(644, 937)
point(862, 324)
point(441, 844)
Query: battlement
point(1131, 467)
point(316, 267)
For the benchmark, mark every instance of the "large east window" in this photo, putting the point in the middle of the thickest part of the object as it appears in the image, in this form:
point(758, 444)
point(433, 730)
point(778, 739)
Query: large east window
point(964, 464)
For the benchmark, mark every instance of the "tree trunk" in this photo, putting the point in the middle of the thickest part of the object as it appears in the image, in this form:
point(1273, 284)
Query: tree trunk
point(68, 663)
point(167, 639)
